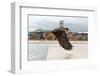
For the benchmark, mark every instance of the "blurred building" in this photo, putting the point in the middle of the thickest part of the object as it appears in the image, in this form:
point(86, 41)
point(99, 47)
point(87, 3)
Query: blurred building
point(72, 36)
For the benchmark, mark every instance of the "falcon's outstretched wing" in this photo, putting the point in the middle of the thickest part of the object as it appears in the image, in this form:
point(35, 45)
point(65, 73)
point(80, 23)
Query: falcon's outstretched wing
point(62, 38)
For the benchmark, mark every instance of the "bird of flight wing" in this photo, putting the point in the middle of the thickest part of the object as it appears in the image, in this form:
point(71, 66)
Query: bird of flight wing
point(62, 38)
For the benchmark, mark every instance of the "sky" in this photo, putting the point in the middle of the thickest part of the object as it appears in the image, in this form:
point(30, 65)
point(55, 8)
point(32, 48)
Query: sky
point(75, 24)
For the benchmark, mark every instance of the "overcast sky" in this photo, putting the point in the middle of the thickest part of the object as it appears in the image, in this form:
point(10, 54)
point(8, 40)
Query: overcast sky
point(75, 24)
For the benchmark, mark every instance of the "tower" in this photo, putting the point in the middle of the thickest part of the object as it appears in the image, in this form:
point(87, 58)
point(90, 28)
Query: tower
point(61, 23)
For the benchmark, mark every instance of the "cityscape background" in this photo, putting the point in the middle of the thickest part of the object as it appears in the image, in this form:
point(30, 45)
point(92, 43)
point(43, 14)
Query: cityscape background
point(40, 27)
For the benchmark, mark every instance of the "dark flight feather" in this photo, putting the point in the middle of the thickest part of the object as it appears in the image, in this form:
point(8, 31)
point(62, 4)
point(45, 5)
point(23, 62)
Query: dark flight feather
point(62, 38)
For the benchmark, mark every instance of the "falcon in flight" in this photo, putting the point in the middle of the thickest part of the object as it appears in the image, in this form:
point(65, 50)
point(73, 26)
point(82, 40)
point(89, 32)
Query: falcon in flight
point(62, 38)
